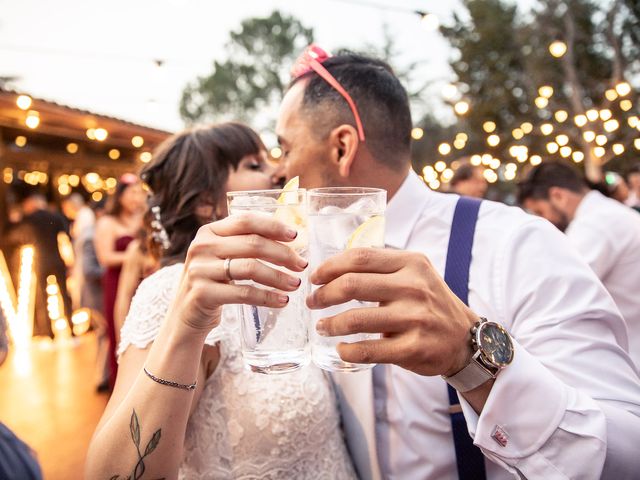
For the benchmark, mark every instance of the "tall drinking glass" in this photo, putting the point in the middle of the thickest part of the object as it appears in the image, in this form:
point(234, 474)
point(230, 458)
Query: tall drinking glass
point(339, 219)
point(276, 340)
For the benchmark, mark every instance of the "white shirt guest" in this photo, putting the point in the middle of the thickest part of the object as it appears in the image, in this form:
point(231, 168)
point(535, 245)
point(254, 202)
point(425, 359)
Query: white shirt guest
point(566, 405)
point(605, 232)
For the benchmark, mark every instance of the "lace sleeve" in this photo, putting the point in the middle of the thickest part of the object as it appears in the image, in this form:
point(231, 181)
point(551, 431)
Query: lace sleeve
point(149, 307)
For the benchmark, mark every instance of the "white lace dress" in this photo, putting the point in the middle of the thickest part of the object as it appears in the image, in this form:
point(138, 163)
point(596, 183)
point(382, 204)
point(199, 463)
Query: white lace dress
point(247, 425)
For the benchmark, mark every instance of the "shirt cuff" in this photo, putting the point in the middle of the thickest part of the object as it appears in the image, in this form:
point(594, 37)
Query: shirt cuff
point(524, 408)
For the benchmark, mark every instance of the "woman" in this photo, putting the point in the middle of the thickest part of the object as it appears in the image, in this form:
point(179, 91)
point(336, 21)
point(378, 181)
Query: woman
point(233, 424)
point(114, 232)
point(138, 264)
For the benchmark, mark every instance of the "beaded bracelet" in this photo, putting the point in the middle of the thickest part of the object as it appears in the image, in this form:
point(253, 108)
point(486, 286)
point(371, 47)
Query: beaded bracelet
point(169, 383)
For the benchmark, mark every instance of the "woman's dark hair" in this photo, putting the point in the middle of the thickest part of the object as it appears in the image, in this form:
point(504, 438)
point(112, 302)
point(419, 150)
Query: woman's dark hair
point(114, 202)
point(189, 169)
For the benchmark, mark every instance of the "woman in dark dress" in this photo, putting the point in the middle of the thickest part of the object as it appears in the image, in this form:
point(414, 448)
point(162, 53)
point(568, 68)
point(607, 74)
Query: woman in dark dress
point(114, 232)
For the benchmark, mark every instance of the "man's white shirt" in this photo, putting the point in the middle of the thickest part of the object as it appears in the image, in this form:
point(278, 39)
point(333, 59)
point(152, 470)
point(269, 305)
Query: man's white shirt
point(607, 235)
point(571, 394)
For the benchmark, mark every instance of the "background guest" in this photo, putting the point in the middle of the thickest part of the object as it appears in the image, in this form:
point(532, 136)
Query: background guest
point(469, 181)
point(114, 231)
point(605, 232)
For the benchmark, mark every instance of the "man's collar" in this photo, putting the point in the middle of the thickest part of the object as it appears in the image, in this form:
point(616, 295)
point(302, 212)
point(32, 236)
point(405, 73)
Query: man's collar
point(403, 211)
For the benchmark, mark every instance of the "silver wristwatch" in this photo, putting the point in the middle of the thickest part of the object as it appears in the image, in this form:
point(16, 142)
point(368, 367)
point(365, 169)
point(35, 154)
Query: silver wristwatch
point(492, 351)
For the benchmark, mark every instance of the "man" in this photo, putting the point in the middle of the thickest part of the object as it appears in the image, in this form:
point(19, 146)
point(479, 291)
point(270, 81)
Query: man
point(605, 232)
point(633, 180)
point(469, 181)
point(83, 220)
point(566, 406)
point(45, 230)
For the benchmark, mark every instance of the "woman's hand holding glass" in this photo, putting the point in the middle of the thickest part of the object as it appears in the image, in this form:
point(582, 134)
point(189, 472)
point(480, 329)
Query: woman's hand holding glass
point(242, 241)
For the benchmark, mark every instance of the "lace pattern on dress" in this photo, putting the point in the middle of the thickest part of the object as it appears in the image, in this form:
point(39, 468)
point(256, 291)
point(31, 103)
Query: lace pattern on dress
point(247, 425)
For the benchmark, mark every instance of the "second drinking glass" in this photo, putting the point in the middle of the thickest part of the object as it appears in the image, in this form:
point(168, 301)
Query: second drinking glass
point(341, 218)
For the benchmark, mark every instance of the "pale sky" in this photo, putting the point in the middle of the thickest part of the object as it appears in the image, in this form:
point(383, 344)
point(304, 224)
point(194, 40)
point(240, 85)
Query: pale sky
point(99, 55)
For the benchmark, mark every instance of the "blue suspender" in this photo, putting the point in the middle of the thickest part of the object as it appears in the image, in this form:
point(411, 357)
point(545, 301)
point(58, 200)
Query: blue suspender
point(469, 458)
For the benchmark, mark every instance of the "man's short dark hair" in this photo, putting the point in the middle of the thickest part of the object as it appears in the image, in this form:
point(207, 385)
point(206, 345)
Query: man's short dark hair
point(550, 174)
point(379, 96)
point(463, 173)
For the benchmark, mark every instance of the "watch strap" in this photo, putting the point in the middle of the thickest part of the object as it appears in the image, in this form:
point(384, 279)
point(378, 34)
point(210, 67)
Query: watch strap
point(470, 377)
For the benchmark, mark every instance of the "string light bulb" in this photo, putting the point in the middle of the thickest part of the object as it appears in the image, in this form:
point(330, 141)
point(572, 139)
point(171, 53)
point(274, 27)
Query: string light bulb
point(24, 102)
point(558, 48)
point(489, 126)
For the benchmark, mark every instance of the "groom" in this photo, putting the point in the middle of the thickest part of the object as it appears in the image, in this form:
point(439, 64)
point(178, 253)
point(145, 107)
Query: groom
point(546, 390)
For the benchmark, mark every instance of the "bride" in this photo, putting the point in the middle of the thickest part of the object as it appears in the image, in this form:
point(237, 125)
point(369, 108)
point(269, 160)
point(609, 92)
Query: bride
point(183, 406)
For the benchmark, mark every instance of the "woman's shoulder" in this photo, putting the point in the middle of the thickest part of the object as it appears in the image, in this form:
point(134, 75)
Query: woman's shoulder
point(149, 307)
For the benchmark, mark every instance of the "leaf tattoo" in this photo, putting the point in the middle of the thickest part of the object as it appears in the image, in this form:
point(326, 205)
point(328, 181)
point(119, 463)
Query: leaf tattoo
point(153, 443)
point(134, 429)
point(134, 426)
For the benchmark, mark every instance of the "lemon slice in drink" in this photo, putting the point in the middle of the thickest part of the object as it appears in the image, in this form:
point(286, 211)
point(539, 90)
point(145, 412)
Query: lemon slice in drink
point(290, 192)
point(291, 214)
point(368, 234)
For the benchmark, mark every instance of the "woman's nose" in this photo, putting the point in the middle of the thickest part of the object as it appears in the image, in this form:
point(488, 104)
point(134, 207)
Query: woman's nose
point(278, 175)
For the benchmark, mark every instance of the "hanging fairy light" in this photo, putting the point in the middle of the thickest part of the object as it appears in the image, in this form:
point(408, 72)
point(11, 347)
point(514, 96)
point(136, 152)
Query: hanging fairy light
point(21, 141)
point(444, 149)
point(605, 114)
point(101, 134)
point(72, 148)
point(541, 102)
point(33, 119)
point(592, 115)
point(580, 120)
point(599, 152)
point(561, 116)
point(461, 107)
point(611, 94)
point(601, 140)
point(535, 160)
point(623, 89)
point(493, 140)
point(618, 148)
point(490, 176)
point(611, 125)
point(114, 154)
point(489, 126)
point(275, 152)
point(589, 136)
point(517, 133)
point(546, 128)
point(626, 105)
point(552, 147)
point(24, 102)
point(475, 160)
point(545, 91)
point(558, 48)
point(566, 151)
point(440, 166)
point(145, 157)
point(417, 133)
point(562, 140)
point(577, 156)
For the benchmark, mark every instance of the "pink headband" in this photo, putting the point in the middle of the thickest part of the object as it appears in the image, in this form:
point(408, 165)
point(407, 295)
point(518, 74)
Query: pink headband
point(311, 59)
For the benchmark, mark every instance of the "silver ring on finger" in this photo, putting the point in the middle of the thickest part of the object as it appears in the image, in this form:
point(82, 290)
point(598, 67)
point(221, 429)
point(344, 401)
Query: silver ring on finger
point(227, 270)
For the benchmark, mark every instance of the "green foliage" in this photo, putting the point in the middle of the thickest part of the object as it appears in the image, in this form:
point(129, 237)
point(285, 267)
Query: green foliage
point(502, 58)
point(260, 54)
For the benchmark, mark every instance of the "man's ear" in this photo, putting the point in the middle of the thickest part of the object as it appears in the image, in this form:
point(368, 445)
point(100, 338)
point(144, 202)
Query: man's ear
point(556, 194)
point(344, 146)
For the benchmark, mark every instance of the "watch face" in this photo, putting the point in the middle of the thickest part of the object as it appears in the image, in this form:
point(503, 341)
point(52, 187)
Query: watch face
point(495, 344)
